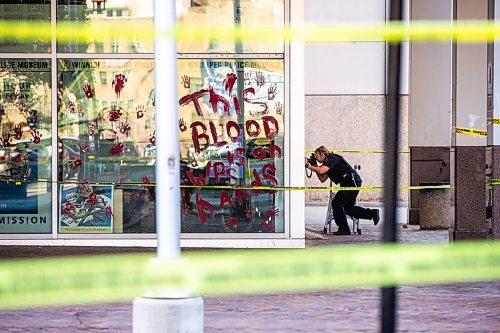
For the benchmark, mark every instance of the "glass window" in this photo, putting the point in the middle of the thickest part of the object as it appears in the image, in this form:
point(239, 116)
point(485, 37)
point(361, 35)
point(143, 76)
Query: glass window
point(25, 10)
point(196, 16)
point(107, 145)
point(231, 133)
point(99, 15)
point(25, 150)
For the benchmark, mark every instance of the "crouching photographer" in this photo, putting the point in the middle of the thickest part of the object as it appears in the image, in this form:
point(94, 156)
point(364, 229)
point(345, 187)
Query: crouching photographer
point(328, 165)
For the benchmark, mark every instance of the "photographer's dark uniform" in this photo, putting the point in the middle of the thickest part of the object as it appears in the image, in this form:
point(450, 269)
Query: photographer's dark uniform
point(341, 173)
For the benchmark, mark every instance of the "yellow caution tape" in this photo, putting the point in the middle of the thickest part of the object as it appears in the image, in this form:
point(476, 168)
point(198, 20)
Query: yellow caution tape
point(70, 280)
point(495, 181)
point(396, 31)
point(493, 121)
point(360, 151)
point(470, 131)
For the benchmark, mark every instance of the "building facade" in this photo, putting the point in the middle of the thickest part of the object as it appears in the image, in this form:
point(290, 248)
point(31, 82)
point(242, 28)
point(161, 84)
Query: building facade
point(78, 127)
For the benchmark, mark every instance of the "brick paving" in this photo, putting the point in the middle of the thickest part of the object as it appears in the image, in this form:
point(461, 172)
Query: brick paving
point(466, 307)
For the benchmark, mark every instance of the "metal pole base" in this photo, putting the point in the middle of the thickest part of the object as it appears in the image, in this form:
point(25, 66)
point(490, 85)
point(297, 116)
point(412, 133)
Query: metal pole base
point(166, 315)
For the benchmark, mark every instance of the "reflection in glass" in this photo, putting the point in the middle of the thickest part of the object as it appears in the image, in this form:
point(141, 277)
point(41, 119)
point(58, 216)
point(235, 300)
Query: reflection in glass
point(105, 112)
point(226, 14)
point(103, 16)
point(25, 150)
point(25, 10)
point(232, 133)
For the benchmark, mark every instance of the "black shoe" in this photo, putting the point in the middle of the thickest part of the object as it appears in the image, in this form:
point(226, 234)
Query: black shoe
point(376, 217)
point(341, 233)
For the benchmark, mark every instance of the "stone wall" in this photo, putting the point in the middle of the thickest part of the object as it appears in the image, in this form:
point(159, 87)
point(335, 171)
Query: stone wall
point(355, 122)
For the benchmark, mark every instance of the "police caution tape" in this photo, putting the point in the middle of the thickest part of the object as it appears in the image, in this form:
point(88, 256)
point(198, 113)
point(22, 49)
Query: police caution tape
point(394, 31)
point(72, 280)
point(470, 131)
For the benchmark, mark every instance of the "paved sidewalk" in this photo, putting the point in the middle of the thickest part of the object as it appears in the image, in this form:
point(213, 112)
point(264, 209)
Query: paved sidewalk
point(467, 307)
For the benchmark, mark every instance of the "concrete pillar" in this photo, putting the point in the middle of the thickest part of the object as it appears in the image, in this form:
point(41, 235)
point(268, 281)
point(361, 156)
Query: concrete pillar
point(494, 125)
point(469, 113)
point(429, 103)
point(163, 315)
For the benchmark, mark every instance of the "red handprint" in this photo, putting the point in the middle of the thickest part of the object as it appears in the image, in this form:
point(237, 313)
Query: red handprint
point(146, 180)
point(229, 82)
point(185, 209)
point(249, 211)
point(186, 81)
point(248, 78)
point(89, 92)
point(260, 79)
point(86, 147)
point(108, 212)
point(23, 107)
point(119, 83)
point(114, 114)
point(74, 163)
point(278, 108)
point(271, 93)
point(232, 222)
point(117, 149)
point(152, 138)
point(140, 111)
point(36, 136)
point(138, 195)
point(182, 125)
point(18, 132)
point(267, 226)
point(273, 212)
point(192, 161)
point(71, 106)
point(68, 208)
point(90, 128)
point(124, 128)
point(6, 140)
point(91, 200)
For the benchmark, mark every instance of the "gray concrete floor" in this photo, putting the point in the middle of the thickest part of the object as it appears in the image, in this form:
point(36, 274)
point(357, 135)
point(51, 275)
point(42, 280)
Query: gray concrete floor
point(459, 307)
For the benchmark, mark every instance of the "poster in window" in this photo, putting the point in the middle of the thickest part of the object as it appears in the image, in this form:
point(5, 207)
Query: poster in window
point(86, 208)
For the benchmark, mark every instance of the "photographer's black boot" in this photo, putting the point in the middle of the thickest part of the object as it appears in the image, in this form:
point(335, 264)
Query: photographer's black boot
point(376, 216)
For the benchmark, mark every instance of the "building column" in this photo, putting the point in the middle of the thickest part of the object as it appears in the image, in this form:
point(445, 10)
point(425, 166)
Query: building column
point(494, 123)
point(469, 121)
point(429, 103)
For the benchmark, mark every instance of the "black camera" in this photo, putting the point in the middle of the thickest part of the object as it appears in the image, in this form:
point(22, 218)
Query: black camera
point(312, 160)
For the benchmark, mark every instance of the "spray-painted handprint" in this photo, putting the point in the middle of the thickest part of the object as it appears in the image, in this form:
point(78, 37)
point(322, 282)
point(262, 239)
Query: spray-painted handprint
point(271, 93)
point(71, 107)
point(74, 163)
point(278, 108)
point(91, 200)
point(36, 136)
point(248, 78)
point(249, 211)
point(117, 149)
point(192, 161)
point(114, 114)
point(229, 82)
point(140, 111)
point(86, 147)
point(124, 128)
point(88, 91)
point(260, 79)
point(152, 138)
point(182, 125)
point(273, 211)
point(6, 140)
point(68, 208)
point(119, 83)
point(186, 81)
point(267, 226)
point(18, 132)
point(232, 222)
point(185, 209)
